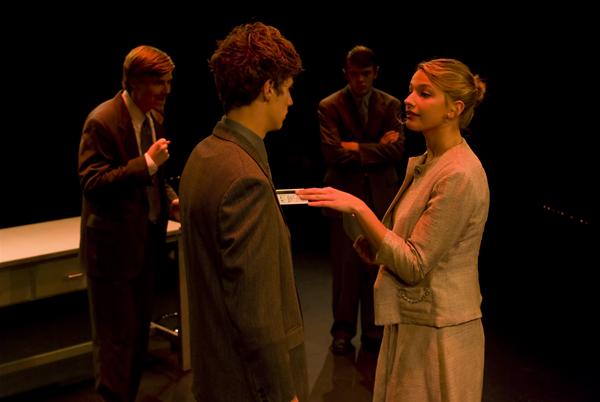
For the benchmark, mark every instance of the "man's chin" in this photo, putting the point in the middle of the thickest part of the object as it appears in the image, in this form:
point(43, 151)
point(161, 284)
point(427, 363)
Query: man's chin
point(360, 93)
point(159, 105)
point(159, 114)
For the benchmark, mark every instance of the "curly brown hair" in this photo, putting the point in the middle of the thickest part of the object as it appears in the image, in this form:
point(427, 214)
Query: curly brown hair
point(248, 57)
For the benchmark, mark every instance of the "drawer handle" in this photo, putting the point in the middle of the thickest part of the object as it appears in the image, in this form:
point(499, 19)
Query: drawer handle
point(74, 275)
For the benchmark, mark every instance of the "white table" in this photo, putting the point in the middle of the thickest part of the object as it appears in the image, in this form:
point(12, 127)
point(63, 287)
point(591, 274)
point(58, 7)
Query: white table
point(41, 260)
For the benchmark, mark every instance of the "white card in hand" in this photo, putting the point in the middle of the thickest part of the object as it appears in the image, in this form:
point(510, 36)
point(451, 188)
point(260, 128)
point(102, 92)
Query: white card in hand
point(287, 196)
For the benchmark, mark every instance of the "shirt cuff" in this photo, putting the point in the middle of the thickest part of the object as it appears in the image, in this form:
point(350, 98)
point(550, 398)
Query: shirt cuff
point(152, 168)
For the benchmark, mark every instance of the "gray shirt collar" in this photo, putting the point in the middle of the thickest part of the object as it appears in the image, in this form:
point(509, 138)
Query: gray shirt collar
point(250, 136)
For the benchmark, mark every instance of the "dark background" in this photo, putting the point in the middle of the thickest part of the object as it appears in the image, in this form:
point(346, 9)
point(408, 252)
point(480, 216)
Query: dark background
point(533, 132)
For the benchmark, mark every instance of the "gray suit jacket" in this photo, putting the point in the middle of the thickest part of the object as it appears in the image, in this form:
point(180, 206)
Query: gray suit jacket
point(246, 325)
point(429, 272)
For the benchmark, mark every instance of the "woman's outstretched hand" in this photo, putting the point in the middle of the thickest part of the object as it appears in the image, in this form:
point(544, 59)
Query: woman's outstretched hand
point(330, 197)
point(371, 227)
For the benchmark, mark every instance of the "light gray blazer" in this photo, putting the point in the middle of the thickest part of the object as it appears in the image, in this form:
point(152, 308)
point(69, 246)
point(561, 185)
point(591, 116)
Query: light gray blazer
point(429, 274)
point(247, 334)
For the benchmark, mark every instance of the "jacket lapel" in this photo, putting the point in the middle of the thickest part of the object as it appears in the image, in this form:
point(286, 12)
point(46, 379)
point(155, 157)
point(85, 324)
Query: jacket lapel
point(357, 129)
point(410, 169)
point(126, 130)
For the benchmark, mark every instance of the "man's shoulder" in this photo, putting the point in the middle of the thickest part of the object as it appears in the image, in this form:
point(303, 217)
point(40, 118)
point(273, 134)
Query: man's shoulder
point(108, 109)
point(385, 97)
point(335, 98)
point(226, 151)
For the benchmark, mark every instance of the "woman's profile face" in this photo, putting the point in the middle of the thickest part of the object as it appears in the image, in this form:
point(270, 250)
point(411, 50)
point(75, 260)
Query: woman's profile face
point(426, 105)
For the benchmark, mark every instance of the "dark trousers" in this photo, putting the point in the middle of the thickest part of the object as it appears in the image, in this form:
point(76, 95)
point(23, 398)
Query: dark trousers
point(353, 282)
point(121, 311)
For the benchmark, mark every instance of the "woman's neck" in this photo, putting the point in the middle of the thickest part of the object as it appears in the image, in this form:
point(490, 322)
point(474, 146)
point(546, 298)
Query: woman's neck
point(441, 141)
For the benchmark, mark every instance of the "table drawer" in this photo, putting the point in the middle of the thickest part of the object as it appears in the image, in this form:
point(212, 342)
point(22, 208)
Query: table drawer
point(15, 286)
point(57, 276)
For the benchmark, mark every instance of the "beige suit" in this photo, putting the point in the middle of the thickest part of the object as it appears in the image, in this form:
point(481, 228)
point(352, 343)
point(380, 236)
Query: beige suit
point(246, 325)
point(427, 291)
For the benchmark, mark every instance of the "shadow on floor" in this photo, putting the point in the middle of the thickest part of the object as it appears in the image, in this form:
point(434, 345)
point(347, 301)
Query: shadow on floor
point(515, 370)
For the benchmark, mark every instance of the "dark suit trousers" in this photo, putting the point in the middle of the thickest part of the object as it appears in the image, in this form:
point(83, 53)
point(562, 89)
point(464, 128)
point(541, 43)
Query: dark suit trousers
point(353, 282)
point(121, 311)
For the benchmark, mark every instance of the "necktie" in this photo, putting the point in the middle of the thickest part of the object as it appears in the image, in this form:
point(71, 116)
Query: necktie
point(363, 111)
point(152, 190)
point(146, 135)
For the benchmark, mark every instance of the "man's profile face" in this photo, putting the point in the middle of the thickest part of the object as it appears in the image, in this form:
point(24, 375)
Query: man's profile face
point(150, 92)
point(280, 101)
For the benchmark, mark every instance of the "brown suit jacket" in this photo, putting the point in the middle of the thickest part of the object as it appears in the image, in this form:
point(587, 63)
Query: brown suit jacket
point(114, 176)
point(246, 325)
point(339, 121)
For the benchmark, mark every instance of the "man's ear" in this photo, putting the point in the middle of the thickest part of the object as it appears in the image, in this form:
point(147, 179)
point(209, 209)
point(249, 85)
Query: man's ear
point(134, 83)
point(267, 90)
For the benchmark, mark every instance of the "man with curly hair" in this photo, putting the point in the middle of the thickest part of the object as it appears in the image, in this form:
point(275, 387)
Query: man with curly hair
point(246, 325)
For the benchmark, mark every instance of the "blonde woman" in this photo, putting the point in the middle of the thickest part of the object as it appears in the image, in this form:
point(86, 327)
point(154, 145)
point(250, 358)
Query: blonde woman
point(427, 292)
